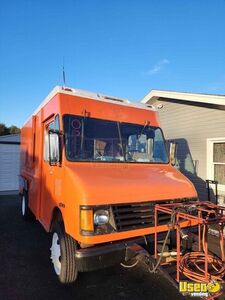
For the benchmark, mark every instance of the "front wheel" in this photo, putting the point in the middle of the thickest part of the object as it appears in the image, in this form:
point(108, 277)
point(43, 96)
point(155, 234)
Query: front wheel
point(63, 248)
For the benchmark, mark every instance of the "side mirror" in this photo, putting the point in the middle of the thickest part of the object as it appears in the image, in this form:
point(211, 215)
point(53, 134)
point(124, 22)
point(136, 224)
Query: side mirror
point(173, 152)
point(54, 148)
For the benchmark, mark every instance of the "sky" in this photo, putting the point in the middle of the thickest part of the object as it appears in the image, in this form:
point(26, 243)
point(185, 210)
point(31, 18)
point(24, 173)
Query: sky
point(123, 48)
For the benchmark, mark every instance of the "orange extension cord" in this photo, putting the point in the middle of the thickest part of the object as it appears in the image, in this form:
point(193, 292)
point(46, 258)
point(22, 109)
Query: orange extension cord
point(192, 265)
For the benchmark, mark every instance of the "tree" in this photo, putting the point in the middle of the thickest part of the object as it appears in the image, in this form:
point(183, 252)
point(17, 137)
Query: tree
point(13, 129)
point(4, 130)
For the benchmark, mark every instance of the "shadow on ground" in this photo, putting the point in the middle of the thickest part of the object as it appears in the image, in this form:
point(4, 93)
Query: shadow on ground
point(27, 273)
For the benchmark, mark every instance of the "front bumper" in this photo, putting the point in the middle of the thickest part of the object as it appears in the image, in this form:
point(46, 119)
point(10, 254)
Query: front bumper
point(106, 255)
point(109, 254)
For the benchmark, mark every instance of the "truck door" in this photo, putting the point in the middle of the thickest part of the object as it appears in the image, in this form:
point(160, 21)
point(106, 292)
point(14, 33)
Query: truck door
point(48, 177)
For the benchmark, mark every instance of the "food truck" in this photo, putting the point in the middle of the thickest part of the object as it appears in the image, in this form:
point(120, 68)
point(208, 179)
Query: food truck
point(93, 167)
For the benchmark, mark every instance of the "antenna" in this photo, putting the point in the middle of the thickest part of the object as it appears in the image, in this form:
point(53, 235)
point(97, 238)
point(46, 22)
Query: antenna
point(64, 75)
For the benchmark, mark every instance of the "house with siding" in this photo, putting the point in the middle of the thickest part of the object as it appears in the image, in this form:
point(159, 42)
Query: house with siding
point(196, 122)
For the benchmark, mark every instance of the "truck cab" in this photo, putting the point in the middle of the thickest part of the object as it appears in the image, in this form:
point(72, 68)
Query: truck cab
point(92, 169)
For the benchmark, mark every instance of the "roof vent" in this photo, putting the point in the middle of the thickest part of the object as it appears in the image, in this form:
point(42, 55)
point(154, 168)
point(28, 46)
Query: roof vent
point(115, 99)
point(67, 89)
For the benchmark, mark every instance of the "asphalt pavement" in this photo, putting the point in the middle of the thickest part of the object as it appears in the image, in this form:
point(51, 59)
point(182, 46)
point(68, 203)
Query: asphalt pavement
point(27, 273)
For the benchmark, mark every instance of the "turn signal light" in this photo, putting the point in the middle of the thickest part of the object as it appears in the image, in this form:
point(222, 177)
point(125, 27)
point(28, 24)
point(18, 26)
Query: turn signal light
point(86, 220)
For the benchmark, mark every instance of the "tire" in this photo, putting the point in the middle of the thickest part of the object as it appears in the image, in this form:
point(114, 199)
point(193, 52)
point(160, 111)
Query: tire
point(63, 248)
point(25, 210)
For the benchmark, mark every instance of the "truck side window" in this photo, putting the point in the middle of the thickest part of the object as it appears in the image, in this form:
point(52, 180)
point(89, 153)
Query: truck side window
point(49, 126)
point(57, 126)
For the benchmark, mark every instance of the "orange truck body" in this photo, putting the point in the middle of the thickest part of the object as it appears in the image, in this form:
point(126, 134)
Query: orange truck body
point(69, 185)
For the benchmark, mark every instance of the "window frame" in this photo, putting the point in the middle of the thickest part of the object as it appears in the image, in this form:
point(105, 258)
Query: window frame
point(210, 163)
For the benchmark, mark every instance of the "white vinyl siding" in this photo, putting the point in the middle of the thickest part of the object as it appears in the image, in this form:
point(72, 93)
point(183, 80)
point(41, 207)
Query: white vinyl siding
point(191, 126)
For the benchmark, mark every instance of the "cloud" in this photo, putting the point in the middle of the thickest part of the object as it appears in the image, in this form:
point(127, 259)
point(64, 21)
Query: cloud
point(158, 67)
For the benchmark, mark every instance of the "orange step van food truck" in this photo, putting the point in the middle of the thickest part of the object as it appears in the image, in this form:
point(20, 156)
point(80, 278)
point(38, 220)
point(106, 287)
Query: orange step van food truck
point(92, 169)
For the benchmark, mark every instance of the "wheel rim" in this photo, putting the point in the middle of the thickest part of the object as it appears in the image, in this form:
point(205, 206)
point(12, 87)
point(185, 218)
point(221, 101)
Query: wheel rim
point(23, 207)
point(56, 253)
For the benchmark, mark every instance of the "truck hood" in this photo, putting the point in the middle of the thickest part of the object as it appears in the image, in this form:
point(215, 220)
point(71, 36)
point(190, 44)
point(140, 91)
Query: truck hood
point(123, 183)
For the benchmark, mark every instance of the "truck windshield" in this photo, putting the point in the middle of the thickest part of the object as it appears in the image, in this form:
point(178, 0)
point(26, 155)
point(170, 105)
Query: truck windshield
point(89, 139)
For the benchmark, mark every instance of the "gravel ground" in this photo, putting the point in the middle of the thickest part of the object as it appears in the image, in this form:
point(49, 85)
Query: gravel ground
point(27, 273)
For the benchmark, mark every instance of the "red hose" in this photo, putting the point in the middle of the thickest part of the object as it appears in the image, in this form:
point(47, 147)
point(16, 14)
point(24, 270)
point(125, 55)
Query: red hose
point(192, 266)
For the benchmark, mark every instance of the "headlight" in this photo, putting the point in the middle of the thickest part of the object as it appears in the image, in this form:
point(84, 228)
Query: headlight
point(101, 217)
point(95, 220)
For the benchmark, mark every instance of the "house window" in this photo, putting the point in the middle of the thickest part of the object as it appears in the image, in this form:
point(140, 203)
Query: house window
point(219, 162)
point(216, 161)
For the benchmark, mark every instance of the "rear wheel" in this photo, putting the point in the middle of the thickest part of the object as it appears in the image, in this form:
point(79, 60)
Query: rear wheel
point(25, 211)
point(63, 248)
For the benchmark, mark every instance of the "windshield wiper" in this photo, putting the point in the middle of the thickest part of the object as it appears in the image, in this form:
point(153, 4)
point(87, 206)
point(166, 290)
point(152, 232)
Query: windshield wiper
point(82, 135)
point(143, 128)
point(121, 142)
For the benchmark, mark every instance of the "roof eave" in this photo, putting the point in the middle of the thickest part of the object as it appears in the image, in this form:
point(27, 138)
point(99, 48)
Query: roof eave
point(200, 98)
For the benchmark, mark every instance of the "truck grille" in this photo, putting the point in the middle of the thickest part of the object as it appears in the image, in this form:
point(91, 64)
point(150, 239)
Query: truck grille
point(137, 215)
